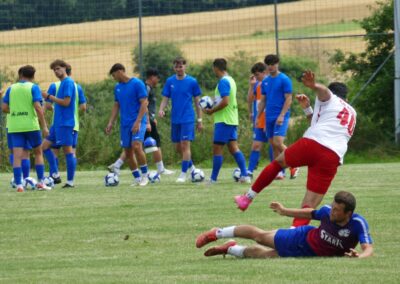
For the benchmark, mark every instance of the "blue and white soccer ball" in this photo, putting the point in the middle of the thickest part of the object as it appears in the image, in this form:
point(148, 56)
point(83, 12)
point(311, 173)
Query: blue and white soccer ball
point(12, 183)
point(29, 183)
point(236, 174)
point(111, 179)
point(150, 145)
point(48, 181)
point(206, 102)
point(154, 176)
point(197, 175)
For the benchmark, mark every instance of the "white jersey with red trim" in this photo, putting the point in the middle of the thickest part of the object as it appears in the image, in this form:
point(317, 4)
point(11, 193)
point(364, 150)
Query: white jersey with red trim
point(332, 124)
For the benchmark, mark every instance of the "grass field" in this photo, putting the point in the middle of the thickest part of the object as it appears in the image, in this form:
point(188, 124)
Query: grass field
point(93, 47)
point(80, 235)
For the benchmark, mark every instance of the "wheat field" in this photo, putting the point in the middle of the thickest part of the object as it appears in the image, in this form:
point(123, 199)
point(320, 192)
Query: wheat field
point(93, 47)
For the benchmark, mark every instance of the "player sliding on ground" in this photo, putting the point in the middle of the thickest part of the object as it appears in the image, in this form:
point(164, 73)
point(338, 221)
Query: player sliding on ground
point(321, 149)
point(338, 234)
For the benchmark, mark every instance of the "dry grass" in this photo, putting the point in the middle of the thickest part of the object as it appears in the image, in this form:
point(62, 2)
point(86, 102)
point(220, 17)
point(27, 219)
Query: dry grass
point(93, 47)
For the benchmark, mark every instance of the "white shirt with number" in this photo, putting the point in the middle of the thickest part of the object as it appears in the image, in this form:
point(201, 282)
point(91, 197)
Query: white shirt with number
point(332, 124)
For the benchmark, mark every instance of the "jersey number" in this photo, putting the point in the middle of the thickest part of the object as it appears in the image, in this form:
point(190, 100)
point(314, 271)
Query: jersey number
point(347, 119)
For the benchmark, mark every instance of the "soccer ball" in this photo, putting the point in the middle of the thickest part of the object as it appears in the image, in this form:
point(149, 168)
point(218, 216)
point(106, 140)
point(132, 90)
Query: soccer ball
point(150, 145)
point(29, 183)
point(111, 179)
point(197, 175)
point(12, 183)
point(206, 102)
point(236, 174)
point(49, 181)
point(154, 176)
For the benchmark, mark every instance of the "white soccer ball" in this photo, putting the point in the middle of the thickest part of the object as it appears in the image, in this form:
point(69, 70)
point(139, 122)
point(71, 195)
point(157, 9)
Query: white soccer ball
point(48, 181)
point(12, 183)
point(154, 176)
point(29, 183)
point(236, 174)
point(206, 102)
point(197, 175)
point(111, 179)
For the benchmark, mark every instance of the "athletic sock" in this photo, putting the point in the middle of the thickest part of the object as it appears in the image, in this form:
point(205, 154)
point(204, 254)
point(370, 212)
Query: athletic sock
point(185, 165)
point(251, 194)
point(26, 166)
point(57, 162)
point(266, 176)
point(136, 174)
point(40, 172)
point(226, 232)
point(270, 153)
point(241, 162)
point(143, 169)
point(253, 160)
point(69, 158)
point(217, 164)
point(17, 175)
point(118, 163)
point(237, 251)
point(11, 159)
point(160, 166)
point(297, 222)
point(51, 159)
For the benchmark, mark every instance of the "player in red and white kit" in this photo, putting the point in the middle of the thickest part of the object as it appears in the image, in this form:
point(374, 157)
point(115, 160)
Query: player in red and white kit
point(321, 148)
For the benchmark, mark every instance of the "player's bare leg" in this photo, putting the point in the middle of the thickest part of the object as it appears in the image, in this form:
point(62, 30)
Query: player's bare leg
point(157, 158)
point(186, 158)
point(141, 158)
point(132, 163)
point(278, 147)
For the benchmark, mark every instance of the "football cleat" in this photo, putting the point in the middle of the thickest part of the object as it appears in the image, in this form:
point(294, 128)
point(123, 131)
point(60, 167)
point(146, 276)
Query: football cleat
point(166, 172)
point(280, 176)
point(245, 179)
point(222, 249)
point(242, 202)
point(42, 187)
point(206, 237)
point(144, 180)
point(56, 178)
point(113, 169)
point(294, 172)
point(67, 185)
point(20, 189)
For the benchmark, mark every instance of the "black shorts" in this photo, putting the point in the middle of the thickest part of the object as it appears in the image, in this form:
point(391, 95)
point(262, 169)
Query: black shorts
point(153, 134)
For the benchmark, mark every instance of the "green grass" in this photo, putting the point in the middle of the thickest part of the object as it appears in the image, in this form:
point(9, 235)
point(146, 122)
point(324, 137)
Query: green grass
point(77, 236)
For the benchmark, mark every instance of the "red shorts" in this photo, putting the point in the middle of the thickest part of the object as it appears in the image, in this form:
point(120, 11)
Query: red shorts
point(322, 163)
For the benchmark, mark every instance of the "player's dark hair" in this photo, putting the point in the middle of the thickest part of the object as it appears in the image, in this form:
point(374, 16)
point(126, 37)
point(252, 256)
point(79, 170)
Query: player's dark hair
point(152, 72)
point(346, 198)
point(58, 62)
point(27, 71)
point(221, 64)
point(179, 60)
point(117, 67)
point(271, 59)
point(258, 67)
point(68, 70)
point(339, 89)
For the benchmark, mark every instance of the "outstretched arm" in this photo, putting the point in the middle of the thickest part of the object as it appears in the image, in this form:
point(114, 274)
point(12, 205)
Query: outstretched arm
point(367, 251)
point(308, 80)
point(304, 213)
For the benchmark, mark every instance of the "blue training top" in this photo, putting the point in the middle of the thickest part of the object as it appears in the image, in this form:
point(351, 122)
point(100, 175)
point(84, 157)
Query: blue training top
point(65, 116)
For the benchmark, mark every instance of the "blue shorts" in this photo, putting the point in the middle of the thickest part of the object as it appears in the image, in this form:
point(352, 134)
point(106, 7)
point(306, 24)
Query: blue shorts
point(274, 129)
point(293, 242)
point(27, 145)
point(182, 132)
point(64, 135)
point(260, 135)
point(224, 133)
point(52, 138)
point(75, 135)
point(127, 137)
point(21, 139)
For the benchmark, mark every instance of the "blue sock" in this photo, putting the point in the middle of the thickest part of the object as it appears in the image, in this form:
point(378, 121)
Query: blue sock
point(11, 159)
point(271, 153)
point(185, 165)
point(40, 172)
point(217, 164)
point(17, 175)
point(69, 158)
point(26, 166)
point(75, 161)
point(143, 169)
point(190, 164)
point(56, 159)
point(253, 160)
point(136, 173)
point(241, 162)
point(51, 159)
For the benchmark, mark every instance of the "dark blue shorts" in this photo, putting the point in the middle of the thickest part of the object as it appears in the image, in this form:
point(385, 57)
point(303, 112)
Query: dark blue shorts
point(260, 135)
point(293, 242)
point(127, 137)
point(64, 135)
point(75, 135)
point(274, 129)
point(182, 132)
point(22, 139)
point(27, 145)
point(224, 133)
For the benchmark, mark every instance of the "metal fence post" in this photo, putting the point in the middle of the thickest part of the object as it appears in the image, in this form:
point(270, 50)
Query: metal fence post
point(140, 40)
point(397, 70)
point(276, 27)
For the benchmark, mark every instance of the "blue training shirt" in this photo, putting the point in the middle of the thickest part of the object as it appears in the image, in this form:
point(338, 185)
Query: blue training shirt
point(224, 87)
point(65, 116)
point(128, 96)
point(36, 94)
point(275, 89)
point(181, 93)
point(81, 95)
